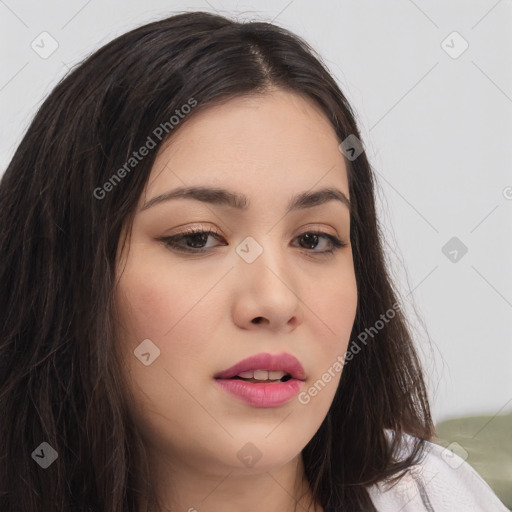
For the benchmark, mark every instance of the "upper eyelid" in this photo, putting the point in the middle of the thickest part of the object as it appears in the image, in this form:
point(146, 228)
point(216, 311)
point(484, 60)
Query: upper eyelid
point(211, 230)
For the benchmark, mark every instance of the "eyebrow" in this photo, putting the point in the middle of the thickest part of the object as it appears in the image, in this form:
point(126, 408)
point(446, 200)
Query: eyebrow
point(223, 197)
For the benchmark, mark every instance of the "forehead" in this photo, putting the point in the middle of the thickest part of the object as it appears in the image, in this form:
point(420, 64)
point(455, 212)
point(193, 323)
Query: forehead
point(275, 142)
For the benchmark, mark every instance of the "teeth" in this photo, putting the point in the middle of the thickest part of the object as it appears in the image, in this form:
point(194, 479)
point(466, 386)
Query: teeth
point(262, 375)
point(246, 375)
point(276, 375)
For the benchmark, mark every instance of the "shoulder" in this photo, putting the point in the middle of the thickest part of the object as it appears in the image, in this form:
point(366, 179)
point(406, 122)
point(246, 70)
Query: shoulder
point(440, 482)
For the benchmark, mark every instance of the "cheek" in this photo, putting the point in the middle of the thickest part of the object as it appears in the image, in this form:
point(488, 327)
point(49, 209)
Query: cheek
point(332, 305)
point(152, 300)
point(174, 309)
point(331, 308)
point(161, 306)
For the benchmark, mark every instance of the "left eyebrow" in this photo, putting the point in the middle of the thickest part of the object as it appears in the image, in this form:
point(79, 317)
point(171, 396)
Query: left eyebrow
point(223, 197)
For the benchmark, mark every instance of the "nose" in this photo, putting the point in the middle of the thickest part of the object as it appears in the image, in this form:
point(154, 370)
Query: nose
point(266, 294)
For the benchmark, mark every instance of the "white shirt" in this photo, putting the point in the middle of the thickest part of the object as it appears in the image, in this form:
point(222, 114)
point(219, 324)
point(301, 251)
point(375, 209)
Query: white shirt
point(441, 482)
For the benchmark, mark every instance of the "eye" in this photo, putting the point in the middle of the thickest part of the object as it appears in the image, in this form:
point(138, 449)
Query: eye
point(197, 237)
point(313, 237)
point(194, 241)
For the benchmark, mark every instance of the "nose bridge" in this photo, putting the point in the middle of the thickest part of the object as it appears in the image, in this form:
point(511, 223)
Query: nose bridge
point(262, 254)
point(267, 282)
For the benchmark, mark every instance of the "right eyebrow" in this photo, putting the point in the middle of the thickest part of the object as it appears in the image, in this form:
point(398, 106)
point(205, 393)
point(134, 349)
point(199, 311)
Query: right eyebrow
point(205, 194)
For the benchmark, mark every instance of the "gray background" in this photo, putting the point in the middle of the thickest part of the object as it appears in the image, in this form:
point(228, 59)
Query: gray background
point(437, 129)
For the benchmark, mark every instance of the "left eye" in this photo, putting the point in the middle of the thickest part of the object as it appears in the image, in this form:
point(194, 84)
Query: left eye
point(199, 237)
point(312, 238)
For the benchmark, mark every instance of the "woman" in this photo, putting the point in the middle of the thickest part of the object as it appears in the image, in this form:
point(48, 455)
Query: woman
point(197, 313)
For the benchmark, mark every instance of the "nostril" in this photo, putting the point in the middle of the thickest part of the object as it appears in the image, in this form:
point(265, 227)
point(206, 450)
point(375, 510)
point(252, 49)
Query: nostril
point(257, 320)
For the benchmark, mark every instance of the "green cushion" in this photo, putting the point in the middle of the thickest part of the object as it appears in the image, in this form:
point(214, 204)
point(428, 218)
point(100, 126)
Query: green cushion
point(487, 440)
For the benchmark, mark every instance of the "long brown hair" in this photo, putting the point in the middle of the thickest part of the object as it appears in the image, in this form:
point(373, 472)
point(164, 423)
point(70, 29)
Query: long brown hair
point(60, 378)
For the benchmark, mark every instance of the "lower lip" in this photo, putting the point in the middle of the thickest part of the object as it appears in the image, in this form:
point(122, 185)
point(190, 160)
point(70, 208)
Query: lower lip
point(262, 395)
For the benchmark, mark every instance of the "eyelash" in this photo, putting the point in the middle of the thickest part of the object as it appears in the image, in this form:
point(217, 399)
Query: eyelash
point(171, 241)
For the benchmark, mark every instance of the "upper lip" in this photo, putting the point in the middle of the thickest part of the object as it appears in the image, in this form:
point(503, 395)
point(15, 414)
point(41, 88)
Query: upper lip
point(265, 361)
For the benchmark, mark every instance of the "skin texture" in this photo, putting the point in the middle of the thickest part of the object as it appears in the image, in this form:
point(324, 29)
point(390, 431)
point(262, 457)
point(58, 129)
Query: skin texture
point(198, 309)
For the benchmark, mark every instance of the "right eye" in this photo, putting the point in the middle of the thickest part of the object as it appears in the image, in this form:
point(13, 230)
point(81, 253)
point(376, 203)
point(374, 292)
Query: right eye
point(197, 236)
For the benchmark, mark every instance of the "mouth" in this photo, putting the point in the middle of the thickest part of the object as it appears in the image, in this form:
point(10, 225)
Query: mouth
point(263, 376)
point(265, 368)
point(263, 380)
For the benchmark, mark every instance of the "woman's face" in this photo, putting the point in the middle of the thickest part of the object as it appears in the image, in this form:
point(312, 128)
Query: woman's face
point(263, 283)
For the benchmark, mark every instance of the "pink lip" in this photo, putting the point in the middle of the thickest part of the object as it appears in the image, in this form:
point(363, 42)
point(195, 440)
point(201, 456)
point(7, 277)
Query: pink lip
point(272, 394)
point(271, 362)
point(262, 395)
